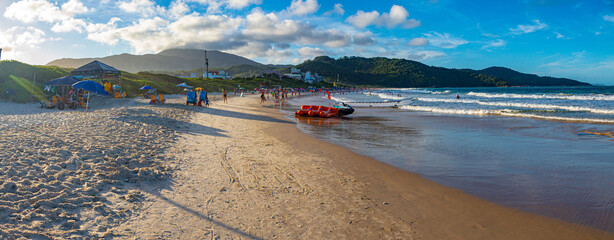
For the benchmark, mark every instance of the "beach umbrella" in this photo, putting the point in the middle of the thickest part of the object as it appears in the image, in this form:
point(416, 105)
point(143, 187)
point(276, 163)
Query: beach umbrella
point(199, 89)
point(146, 88)
point(90, 86)
point(182, 85)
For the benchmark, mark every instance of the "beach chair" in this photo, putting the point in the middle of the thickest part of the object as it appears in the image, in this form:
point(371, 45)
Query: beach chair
point(191, 98)
point(153, 99)
point(162, 100)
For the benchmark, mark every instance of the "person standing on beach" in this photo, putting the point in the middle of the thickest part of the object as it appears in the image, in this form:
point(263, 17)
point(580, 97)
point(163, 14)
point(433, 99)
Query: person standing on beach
point(262, 98)
point(225, 95)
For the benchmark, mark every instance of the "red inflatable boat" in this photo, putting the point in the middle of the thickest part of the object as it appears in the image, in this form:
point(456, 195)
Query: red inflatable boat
point(317, 111)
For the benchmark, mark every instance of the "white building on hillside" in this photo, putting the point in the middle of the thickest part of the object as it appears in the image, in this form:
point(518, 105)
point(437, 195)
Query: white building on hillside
point(221, 75)
point(296, 73)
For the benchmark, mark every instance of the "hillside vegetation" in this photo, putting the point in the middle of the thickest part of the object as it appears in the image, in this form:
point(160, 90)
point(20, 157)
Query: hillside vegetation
point(385, 72)
point(523, 79)
point(18, 77)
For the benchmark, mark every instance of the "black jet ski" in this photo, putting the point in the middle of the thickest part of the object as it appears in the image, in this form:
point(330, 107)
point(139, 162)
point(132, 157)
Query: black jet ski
point(344, 109)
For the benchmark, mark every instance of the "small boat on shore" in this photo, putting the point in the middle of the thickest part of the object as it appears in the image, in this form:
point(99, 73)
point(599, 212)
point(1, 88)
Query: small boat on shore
point(323, 111)
point(382, 104)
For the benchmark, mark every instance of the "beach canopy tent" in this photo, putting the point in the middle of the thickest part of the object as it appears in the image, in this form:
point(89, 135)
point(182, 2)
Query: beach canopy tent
point(98, 71)
point(146, 88)
point(63, 81)
point(95, 68)
point(61, 85)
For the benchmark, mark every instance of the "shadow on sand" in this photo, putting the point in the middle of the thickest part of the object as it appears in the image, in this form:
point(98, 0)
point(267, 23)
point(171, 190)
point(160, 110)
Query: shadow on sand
point(240, 115)
point(152, 118)
point(201, 216)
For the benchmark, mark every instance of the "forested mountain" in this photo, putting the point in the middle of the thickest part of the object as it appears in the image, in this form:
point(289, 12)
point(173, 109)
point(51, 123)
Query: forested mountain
point(523, 79)
point(385, 72)
point(167, 60)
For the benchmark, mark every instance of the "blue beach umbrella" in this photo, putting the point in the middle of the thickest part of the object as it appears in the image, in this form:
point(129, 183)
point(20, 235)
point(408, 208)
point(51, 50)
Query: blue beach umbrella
point(146, 88)
point(90, 86)
point(182, 85)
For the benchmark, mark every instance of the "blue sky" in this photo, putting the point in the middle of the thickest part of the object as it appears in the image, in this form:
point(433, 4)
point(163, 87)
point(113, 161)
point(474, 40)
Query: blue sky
point(573, 39)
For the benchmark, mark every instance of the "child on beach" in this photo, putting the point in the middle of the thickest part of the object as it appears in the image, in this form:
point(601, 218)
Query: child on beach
point(225, 95)
point(206, 101)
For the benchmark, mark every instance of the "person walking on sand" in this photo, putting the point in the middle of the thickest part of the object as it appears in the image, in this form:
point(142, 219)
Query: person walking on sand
point(225, 95)
point(262, 98)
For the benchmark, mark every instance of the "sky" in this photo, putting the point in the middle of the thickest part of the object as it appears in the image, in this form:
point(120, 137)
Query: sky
point(559, 38)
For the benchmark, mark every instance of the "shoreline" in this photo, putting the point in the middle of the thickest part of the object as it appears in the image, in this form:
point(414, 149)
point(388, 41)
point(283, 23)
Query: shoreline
point(471, 217)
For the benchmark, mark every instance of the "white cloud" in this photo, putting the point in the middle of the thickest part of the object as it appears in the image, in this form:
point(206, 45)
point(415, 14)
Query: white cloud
point(178, 8)
point(146, 8)
point(29, 11)
point(423, 55)
point(609, 18)
point(338, 9)
point(303, 7)
point(270, 28)
point(240, 4)
point(15, 41)
point(74, 7)
point(495, 44)
point(270, 53)
point(363, 38)
point(69, 25)
point(215, 6)
point(396, 17)
point(104, 33)
point(529, 28)
point(363, 19)
point(311, 52)
point(418, 42)
point(558, 35)
point(444, 40)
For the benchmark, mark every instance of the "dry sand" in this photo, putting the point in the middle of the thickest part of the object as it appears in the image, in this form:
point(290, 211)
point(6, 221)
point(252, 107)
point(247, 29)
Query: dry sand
point(70, 174)
point(231, 171)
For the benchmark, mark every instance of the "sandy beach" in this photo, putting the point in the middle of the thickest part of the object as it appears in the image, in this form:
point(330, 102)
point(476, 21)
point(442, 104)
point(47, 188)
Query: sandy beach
point(232, 171)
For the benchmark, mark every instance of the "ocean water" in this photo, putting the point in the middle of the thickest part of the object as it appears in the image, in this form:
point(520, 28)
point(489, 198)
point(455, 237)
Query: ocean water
point(548, 151)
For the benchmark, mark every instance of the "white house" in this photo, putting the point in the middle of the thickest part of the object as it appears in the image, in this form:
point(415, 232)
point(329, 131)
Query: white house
point(221, 75)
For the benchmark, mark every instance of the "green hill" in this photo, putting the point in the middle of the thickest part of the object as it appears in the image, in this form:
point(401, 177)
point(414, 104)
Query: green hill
point(523, 79)
point(18, 77)
point(385, 72)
